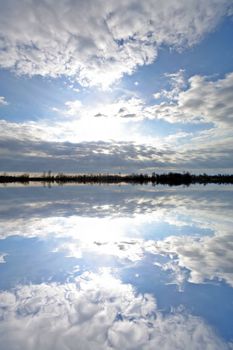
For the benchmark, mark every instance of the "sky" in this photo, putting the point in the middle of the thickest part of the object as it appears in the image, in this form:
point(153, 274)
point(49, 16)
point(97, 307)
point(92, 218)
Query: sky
point(116, 86)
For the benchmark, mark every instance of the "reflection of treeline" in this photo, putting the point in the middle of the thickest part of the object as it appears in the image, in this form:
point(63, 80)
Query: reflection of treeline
point(167, 179)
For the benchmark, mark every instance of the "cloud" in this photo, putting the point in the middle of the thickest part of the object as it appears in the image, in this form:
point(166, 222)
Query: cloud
point(204, 100)
point(2, 258)
point(24, 147)
point(117, 140)
point(3, 101)
point(73, 107)
point(198, 100)
point(177, 82)
point(114, 157)
point(96, 43)
point(96, 311)
point(121, 108)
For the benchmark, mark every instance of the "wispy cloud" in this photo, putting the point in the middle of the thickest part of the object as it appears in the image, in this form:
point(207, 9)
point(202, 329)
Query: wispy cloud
point(177, 82)
point(2, 258)
point(3, 101)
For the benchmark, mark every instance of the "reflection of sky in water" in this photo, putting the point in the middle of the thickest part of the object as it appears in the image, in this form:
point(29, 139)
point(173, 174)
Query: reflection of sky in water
point(116, 267)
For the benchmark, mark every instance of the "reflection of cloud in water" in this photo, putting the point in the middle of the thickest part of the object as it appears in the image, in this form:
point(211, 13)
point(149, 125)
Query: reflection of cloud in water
point(206, 210)
point(83, 228)
point(109, 201)
point(206, 258)
point(98, 311)
point(100, 213)
point(193, 257)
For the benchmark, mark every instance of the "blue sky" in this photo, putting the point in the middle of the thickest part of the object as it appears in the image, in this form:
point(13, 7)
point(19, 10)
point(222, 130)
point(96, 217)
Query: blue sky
point(99, 86)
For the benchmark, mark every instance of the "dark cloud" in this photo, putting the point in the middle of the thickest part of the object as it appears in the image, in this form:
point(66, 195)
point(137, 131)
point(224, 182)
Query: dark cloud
point(81, 157)
point(125, 157)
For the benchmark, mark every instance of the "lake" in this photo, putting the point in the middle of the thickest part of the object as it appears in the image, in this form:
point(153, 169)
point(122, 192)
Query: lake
point(116, 267)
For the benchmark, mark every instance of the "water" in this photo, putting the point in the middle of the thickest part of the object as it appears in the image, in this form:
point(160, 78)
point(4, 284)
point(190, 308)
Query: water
point(116, 267)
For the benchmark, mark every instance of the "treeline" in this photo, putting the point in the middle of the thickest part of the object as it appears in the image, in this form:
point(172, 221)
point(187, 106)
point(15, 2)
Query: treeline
point(170, 178)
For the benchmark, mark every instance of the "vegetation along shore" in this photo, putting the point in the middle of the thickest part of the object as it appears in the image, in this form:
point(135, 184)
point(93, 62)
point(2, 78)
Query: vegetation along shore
point(170, 178)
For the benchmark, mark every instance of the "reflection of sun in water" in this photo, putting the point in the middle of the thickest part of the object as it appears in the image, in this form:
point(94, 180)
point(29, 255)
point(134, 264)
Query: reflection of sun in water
point(99, 229)
point(119, 237)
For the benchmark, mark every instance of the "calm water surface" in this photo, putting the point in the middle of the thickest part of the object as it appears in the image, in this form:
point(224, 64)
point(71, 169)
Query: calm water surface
point(116, 267)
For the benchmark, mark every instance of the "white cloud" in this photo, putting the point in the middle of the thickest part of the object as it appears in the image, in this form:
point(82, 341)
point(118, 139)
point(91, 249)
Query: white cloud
point(73, 107)
point(96, 311)
point(177, 82)
point(3, 101)
point(121, 108)
point(2, 258)
point(98, 41)
point(204, 100)
point(197, 100)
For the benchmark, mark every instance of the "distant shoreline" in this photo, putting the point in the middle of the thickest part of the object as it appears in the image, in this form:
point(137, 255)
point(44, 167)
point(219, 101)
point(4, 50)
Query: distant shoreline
point(172, 179)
